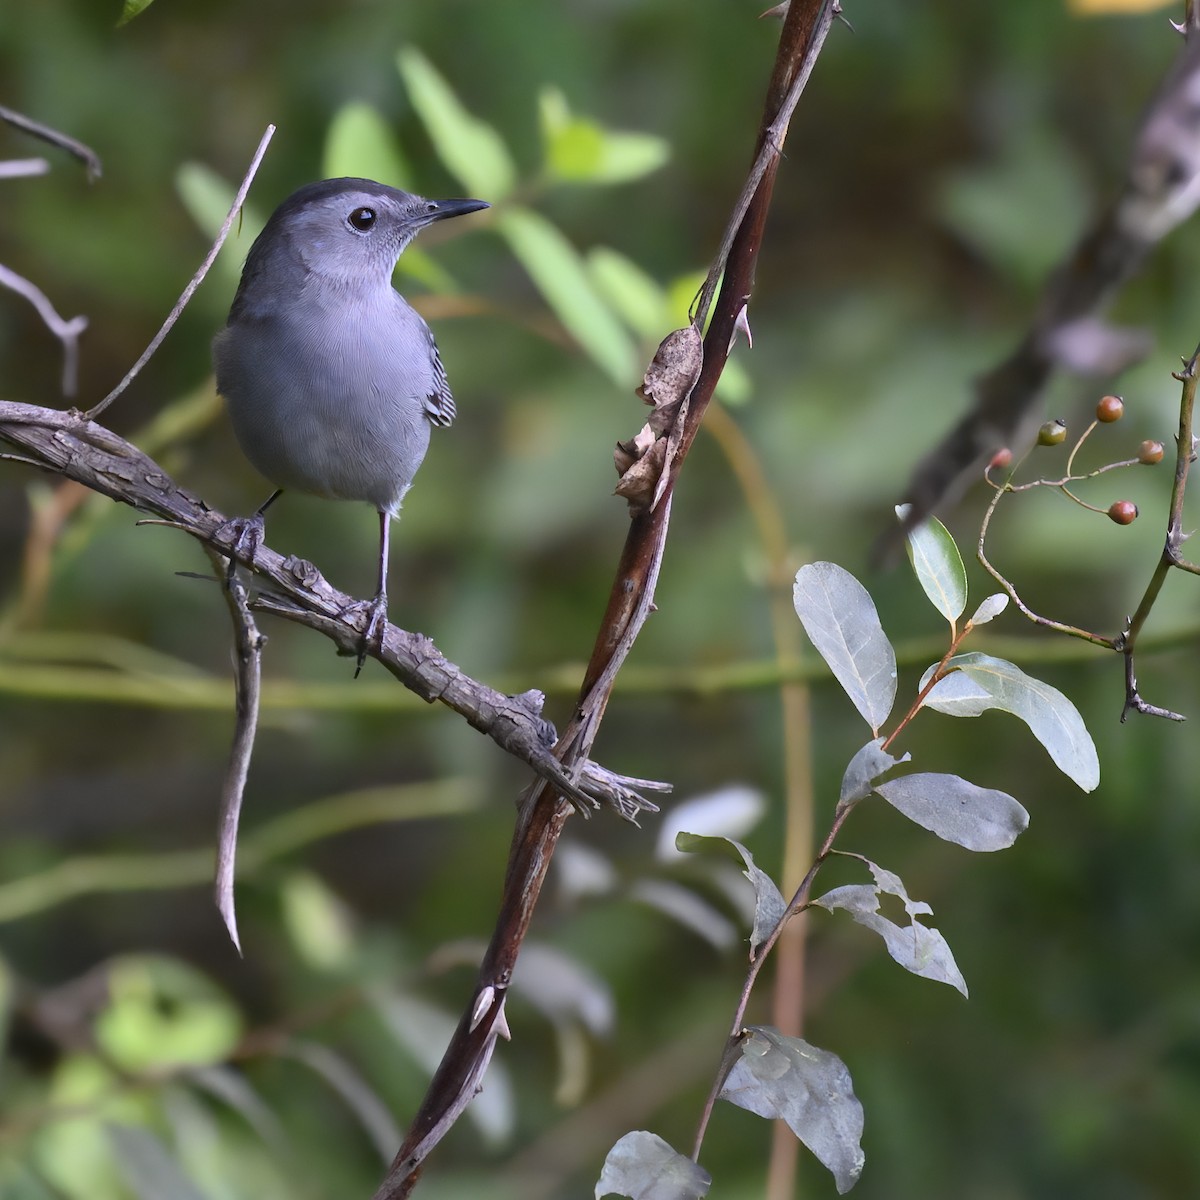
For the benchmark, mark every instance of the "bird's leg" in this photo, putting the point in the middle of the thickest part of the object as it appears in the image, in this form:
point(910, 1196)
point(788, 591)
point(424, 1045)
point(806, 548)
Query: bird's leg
point(377, 608)
point(247, 532)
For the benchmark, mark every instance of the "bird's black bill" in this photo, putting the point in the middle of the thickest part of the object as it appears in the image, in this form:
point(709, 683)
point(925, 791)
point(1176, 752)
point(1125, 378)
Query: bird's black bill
point(441, 209)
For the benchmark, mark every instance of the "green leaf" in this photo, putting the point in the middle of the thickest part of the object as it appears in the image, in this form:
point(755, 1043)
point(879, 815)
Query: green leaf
point(769, 904)
point(317, 923)
point(207, 198)
point(359, 142)
point(163, 1013)
point(1051, 717)
point(634, 295)
point(580, 150)
point(470, 149)
point(131, 9)
point(937, 564)
point(556, 268)
point(978, 818)
point(785, 1078)
point(841, 621)
point(644, 1167)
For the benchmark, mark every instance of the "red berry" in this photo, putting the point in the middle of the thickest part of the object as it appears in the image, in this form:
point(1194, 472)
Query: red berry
point(1150, 453)
point(1110, 408)
point(1053, 433)
point(1123, 512)
point(1001, 460)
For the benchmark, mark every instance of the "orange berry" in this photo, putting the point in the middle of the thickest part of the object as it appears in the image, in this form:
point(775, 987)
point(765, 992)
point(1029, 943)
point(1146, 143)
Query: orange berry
point(1110, 408)
point(1150, 453)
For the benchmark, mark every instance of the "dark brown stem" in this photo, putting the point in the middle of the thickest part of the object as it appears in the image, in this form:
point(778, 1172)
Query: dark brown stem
point(630, 603)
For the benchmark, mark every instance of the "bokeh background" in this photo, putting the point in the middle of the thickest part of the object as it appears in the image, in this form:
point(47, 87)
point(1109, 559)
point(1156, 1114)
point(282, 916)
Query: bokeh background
point(942, 161)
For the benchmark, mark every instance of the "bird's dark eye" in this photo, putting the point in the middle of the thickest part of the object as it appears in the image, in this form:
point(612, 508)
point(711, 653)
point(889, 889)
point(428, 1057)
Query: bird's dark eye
point(362, 219)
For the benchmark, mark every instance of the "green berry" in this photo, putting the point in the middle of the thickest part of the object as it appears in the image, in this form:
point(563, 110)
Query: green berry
point(1053, 433)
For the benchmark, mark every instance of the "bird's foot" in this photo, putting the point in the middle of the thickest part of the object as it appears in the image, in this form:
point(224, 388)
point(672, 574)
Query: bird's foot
point(372, 636)
point(245, 535)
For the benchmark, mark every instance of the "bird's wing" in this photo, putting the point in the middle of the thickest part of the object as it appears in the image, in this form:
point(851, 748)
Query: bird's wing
point(439, 404)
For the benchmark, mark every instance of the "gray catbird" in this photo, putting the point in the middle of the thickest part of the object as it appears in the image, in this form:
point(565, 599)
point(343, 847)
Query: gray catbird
point(331, 379)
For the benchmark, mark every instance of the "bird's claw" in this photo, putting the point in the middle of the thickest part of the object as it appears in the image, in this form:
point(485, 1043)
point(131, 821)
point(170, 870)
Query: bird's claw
point(245, 535)
point(372, 636)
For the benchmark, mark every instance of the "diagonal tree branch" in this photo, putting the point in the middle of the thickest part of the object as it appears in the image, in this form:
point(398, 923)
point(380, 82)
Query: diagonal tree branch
point(543, 814)
point(1161, 190)
point(79, 449)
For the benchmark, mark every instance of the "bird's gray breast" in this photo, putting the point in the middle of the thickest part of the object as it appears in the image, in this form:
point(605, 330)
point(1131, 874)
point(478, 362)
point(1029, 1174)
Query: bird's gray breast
point(330, 398)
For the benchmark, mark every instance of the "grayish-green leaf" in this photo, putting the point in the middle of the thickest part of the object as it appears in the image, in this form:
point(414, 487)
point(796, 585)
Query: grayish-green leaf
point(916, 947)
point(556, 268)
point(785, 1078)
point(990, 608)
point(730, 811)
point(956, 694)
point(865, 767)
point(769, 904)
point(561, 987)
point(151, 1171)
point(644, 1167)
point(689, 908)
point(840, 619)
point(974, 817)
point(362, 1099)
point(937, 564)
point(470, 149)
point(1051, 717)
point(233, 1088)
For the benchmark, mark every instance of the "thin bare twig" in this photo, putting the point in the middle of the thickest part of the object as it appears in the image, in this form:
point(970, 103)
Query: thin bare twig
point(66, 331)
point(196, 279)
point(247, 646)
point(44, 133)
point(1047, 622)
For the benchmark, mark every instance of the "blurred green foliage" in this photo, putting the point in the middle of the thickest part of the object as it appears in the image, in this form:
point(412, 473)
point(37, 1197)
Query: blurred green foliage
point(942, 159)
